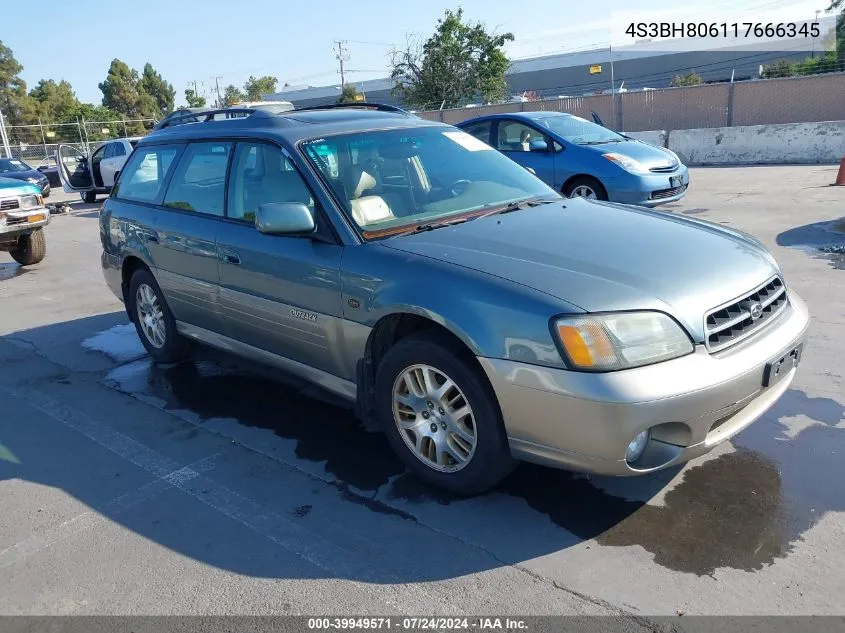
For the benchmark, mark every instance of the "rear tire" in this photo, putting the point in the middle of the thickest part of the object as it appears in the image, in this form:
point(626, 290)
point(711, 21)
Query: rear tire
point(585, 187)
point(88, 197)
point(153, 320)
point(31, 249)
point(434, 431)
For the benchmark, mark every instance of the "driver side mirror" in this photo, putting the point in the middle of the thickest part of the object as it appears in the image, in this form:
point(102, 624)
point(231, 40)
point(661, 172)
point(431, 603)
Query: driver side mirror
point(538, 145)
point(284, 218)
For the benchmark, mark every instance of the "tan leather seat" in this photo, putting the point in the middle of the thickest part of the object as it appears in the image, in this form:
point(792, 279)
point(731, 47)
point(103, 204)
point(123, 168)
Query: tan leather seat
point(366, 209)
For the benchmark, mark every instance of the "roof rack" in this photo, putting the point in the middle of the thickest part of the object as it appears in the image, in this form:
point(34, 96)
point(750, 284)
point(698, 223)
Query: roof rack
point(208, 115)
point(381, 107)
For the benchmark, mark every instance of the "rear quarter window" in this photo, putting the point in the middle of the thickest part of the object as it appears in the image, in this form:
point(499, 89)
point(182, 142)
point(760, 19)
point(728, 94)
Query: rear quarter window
point(145, 173)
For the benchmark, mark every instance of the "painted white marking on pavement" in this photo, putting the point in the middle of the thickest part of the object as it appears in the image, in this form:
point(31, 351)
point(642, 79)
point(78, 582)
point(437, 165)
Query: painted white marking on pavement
point(92, 520)
point(287, 535)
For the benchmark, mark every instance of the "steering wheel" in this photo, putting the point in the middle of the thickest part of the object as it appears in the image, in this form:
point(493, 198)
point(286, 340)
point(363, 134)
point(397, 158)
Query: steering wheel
point(458, 187)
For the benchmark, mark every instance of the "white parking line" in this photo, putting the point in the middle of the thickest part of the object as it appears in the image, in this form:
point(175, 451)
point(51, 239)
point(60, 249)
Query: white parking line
point(284, 533)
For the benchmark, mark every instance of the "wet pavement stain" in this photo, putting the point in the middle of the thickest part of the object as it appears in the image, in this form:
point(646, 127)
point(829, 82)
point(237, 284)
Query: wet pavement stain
point(728, 512)
point(822, 240)
point(324, 431)
point(9, 271)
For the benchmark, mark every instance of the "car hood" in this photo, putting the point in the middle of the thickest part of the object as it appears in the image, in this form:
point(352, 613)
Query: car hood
point(650, 156)
point(23, 175)
point(601, 256)
point(13, 187)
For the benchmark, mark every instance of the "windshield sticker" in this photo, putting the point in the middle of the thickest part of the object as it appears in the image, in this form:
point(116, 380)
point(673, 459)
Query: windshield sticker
point(467, 141)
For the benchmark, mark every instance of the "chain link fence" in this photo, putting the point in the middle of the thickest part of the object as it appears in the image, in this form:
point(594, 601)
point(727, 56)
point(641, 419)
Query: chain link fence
point(36, 144)
point(761, 102)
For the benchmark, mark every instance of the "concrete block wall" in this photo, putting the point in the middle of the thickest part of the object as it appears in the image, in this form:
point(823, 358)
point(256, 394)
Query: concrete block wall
point(789, 143)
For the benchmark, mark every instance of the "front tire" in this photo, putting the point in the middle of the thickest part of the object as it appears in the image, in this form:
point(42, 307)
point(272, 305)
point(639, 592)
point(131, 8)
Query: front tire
point(585, 187)
point(153, 320)
point(88, 197)
point(31, 249)
point(441, 415)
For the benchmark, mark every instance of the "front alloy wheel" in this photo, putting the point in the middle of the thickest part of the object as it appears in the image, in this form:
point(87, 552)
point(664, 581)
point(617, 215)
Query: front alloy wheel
point(440, 414)
point(583, 191)
point(434, 418)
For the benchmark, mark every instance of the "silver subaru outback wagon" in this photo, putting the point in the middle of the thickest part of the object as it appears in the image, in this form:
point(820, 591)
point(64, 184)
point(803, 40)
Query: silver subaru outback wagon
point(480, 317)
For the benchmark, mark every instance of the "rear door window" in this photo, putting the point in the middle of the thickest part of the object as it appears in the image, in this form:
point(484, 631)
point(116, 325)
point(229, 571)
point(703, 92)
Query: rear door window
point(199, 181)
point(145, 173)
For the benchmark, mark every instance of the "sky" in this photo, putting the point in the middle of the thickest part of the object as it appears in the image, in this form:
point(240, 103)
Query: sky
point(200, 40)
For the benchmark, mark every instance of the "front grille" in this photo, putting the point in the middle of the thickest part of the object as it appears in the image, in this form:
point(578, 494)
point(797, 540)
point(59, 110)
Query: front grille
point(733, 322)
point(10, 203)
point(662, 169)
point(667, 193)
point(12, 221)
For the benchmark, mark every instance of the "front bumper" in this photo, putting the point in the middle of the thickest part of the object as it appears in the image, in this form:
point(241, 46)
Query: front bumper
point(648, 190)
point(13, 224)
point(585, 421)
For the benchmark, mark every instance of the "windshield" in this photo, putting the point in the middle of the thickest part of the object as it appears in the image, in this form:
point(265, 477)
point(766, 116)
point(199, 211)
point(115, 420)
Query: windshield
point(579, 131)
point(392, 179)
point(9, 165)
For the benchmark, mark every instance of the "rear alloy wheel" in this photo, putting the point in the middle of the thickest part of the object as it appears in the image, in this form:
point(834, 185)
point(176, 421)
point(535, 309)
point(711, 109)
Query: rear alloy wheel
point(441, 415)
point(585, 187)
point(31, 249)
point(154, 322)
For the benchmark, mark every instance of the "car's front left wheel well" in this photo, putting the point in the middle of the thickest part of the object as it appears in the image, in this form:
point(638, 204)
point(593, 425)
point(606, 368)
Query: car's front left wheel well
point(388, 331)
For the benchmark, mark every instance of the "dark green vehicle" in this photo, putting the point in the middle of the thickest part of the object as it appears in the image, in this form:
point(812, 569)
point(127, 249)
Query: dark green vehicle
point(23, 217)
point(475, 313)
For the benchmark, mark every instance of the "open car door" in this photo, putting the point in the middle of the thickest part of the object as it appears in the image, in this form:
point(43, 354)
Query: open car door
point(74, 170)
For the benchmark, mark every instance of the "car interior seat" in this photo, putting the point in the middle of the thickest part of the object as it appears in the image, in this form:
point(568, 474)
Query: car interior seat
point(366, 209)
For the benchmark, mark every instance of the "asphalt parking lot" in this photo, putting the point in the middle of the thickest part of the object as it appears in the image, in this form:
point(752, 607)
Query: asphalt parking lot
point(217, 487)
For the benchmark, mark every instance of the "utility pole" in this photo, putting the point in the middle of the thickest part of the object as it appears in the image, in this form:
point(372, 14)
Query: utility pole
point(217, 85)
point(342, 56)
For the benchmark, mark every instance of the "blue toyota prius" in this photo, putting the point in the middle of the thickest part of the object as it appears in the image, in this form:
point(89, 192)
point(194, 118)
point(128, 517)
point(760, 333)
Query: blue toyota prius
point(581, 158)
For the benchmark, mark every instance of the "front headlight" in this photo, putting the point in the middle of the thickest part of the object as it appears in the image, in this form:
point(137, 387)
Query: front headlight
point(626, 162)
point(31, 202)
point(621, 340)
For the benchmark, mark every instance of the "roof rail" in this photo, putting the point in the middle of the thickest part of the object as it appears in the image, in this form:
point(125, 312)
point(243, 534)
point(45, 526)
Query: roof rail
point(207, 115)
point(381, 107)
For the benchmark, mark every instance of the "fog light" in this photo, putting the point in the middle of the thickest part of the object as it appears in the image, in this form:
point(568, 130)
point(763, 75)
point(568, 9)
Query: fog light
point(636, 448)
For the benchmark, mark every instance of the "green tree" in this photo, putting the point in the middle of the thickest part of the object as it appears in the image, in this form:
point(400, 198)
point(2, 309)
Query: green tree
point(153, 84)
point(257, 87)
point(54, 101)
point(689, 79)
point(120, 89)
point(193, 99)
point(18, 108)
point(232, 95)
point(349, 94)
point(780, 68)
point(459, 62)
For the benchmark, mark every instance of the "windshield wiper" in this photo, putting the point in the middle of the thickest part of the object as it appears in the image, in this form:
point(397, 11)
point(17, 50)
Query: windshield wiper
point(436, 225)
point(613, 140)
point(516, 206)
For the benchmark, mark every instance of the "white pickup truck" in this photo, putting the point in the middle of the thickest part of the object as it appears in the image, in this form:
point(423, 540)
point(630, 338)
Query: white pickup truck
point(90, 176)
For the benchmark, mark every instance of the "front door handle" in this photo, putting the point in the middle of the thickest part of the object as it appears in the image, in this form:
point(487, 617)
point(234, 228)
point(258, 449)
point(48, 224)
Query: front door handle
point(230, 258)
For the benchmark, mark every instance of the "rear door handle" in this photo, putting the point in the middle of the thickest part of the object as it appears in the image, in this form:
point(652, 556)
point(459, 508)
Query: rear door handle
point(230, 258)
